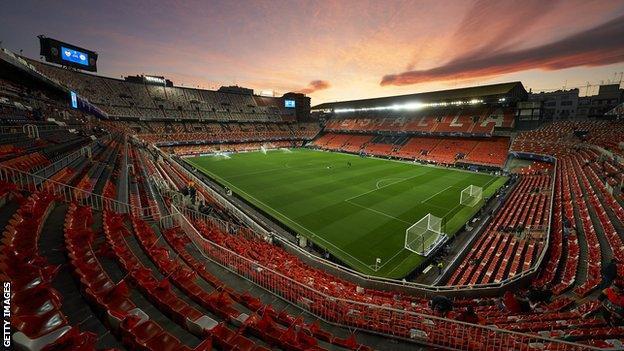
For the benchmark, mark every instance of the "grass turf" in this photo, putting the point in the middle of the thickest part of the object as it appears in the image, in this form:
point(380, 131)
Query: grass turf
point(358, 213)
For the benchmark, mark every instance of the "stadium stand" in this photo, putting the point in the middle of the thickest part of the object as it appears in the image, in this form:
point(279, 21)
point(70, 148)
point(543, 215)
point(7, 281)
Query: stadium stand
point(457, 121)
point(593, 220)
point(148, 112)
point(460, 126)
point(512, 240)
point(226, 147)
point(442, 150)
point(161, 133)
point(491, 151)
point(120, 98)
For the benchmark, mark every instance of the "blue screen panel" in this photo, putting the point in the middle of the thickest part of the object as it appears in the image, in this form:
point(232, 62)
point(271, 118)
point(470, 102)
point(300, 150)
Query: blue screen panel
point(74, 100)
point(289, 103)
point(75, 56)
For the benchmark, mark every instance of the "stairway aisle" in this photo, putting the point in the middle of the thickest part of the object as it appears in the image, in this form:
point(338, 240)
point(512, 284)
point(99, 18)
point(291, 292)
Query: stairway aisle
point(75, 307)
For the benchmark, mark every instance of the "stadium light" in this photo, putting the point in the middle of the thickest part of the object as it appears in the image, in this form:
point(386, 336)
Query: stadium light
point(157, 80)
point(409, 106)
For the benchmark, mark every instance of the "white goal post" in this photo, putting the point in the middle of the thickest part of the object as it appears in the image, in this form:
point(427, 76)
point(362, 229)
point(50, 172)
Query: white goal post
point(425, 235)
point(471, 196)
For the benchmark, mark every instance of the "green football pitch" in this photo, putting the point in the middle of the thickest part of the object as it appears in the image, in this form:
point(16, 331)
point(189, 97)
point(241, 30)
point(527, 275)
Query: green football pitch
point(358, 213)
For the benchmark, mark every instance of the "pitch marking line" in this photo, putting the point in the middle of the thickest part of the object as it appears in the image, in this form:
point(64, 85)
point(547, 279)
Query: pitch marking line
point(382, 180)
point(396, 266)
point(286, 217)
point(374, 210)
point(402, 249)
point(483, 187)
point(436, 194)
point(451, 210)
point(400, 264)
point(385, 186)
point(293, 168)
point(404, 161)
point(331, 244)
point(494, 178)
point(390, 260)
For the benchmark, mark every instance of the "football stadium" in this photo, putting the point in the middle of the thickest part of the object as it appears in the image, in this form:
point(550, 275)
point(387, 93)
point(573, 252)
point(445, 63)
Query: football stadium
point(459, 207)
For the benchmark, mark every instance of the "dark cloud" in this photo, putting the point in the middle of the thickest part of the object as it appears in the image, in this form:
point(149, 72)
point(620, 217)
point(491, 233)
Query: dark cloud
point(601, 45)
point(315, 85)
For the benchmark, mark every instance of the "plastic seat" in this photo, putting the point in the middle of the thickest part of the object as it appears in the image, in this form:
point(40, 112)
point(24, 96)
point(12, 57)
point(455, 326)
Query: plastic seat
point(38, 300)
point(162, 342)
point(24, 342)
point(140, 333)
point(35, 326)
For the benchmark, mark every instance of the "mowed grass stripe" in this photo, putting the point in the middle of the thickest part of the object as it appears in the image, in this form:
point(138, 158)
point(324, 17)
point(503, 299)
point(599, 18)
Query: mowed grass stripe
point(307, 190)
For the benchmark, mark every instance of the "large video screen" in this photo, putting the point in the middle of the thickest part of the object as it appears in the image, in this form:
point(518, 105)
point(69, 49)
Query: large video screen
point(67, 54)
point(76, 56)
point(289, 103)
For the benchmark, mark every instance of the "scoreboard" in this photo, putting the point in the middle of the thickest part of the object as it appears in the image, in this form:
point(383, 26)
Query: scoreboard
point(66, 54)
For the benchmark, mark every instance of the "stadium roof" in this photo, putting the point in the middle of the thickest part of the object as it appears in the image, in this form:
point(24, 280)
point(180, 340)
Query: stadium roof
point(493, 91)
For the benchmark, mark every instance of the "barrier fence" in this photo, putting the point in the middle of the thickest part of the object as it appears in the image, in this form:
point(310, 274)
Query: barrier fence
point(84, 151)
point(409, 325)
point(30, 182)
point(21, 128)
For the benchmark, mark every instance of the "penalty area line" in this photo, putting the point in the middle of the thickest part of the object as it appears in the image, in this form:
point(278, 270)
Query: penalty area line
point(387, 185)
point(270, 208)
point(436, 194)
point(374, 210)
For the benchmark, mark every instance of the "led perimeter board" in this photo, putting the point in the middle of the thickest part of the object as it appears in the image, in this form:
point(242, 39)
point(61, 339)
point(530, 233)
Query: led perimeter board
point(67, 54)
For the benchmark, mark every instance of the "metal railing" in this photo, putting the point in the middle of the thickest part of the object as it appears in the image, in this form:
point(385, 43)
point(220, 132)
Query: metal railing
point(216, 196)
point(409, 325)
point(51, 169)
point(12, 129)
point(67, 193)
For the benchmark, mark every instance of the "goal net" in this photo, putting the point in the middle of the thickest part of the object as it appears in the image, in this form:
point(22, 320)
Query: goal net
point(425, 235)
point(471, 195)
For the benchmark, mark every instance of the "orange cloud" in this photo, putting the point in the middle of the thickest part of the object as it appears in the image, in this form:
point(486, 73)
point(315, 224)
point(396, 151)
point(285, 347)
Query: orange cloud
point(315, 85)
point(598, 46)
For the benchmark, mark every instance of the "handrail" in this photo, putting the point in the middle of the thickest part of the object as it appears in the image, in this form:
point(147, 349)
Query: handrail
point(63, 162)
point(423, 328)
point(18, 128)
point(67, 193)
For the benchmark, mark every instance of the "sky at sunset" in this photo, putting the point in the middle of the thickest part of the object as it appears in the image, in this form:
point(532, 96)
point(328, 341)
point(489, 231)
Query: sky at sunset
point(336, 50)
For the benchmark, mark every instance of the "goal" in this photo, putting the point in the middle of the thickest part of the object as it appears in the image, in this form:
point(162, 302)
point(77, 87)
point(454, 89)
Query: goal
point(471, 195)
point(425, 235)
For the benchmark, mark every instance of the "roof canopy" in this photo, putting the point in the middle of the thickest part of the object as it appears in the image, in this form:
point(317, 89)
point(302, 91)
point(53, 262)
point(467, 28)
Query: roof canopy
point(511, 90)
